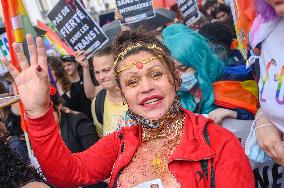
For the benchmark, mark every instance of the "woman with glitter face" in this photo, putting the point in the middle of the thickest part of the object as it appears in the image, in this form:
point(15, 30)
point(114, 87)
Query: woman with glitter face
point(167, 147)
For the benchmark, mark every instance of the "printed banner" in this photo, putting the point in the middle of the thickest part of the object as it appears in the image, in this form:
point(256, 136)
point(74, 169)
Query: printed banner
point(267, 175)
point(189, 11)
point(243, 14)
point(135, 10)
point(77, 27)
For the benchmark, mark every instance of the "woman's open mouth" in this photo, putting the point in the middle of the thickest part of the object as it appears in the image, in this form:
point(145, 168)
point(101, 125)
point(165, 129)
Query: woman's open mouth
point(152, 101)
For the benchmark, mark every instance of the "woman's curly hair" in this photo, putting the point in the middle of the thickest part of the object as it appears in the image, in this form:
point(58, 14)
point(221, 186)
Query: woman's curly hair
point(14, 172)
point(130, 38)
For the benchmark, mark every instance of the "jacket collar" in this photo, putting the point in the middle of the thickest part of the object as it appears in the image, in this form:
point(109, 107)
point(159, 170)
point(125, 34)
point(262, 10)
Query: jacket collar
point(193, 146)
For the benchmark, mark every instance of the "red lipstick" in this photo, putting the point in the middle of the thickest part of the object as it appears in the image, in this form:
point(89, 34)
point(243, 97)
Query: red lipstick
point(151, 101)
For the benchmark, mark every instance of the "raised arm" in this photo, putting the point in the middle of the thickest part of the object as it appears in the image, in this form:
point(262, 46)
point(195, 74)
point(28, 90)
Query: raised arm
point(61, 167)
point(90, 90)
point(64, 169)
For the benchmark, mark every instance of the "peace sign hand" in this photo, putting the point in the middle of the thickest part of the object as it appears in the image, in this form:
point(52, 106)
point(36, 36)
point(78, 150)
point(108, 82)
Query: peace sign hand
point(32, 81)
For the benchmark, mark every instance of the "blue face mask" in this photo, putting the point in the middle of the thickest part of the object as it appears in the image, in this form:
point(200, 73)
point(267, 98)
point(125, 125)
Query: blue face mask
point(252, 149)
point(188, 81)
point(258, 155)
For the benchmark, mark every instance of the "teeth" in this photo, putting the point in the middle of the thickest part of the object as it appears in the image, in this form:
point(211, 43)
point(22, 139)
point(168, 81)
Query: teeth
point(151, 101)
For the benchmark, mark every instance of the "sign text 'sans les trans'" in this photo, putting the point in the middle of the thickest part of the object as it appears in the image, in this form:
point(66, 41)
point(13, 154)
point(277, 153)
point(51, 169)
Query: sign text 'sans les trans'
point(77, 27)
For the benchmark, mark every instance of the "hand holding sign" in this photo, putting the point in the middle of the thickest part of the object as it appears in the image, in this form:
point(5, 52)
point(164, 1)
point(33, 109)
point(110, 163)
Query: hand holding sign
point(32, 81)
point(81, 58)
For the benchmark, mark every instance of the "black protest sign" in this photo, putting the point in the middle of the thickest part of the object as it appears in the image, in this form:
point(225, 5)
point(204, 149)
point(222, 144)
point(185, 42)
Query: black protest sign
point(189, 11)
point(77, 27)
point(135, 10)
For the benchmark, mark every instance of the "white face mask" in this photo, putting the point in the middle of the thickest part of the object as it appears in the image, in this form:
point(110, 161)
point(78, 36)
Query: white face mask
point(188, 81)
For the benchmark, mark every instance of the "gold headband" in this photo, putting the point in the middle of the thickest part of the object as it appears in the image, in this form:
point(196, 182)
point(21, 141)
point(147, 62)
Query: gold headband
point(137, 45)
point(138, 63)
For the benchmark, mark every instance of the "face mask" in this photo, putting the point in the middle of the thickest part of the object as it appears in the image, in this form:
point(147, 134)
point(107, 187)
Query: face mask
point(252, 149)
point(258, 155)
point(188, 81)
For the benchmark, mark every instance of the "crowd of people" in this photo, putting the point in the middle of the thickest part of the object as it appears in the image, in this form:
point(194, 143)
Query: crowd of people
point(147, 109)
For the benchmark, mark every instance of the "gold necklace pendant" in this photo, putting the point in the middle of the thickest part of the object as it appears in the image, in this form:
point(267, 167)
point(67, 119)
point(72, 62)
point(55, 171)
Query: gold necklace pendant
point(159, 164)
point(173, 137)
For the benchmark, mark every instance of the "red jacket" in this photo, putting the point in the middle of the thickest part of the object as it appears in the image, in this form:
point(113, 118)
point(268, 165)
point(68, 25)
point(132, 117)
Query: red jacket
point(104, 159)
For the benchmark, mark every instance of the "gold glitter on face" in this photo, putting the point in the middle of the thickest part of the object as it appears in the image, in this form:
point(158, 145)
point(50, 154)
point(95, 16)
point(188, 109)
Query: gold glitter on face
point(138, 63)
point(156, 73)
point(149, 92)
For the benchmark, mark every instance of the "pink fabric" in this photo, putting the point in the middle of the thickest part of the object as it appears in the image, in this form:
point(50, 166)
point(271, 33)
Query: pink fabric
point(163, 3)
point(254, 28)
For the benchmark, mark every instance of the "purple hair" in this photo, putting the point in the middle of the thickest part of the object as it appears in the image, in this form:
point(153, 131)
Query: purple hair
point(266, 11)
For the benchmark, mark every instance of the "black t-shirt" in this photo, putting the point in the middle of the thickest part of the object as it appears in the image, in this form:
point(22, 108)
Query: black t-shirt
point(78, 100)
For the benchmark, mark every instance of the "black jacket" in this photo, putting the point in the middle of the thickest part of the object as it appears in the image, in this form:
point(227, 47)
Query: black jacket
point(77, 131)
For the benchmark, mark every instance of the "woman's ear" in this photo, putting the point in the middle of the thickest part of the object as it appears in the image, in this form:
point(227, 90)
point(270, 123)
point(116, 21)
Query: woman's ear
point(178, 79)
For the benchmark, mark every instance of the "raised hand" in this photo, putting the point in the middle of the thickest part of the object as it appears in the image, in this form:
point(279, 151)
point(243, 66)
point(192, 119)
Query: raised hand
point(32, 81)
point(81, 58)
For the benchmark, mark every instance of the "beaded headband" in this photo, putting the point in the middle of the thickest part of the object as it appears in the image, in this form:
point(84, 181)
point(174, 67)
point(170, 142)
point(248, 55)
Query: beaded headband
point(121, 55)
point(138, 63)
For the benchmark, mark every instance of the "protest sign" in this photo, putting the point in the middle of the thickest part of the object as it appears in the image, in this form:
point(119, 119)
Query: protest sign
point(77, 27)
point(189, 11)
point(267, 175)
point(135, 10)
point(4, 51)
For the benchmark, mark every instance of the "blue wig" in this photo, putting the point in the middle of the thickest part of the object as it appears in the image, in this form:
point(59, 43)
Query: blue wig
point(192, 50)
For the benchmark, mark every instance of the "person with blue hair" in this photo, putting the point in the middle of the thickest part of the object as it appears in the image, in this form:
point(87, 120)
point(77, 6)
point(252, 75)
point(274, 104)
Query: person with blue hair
point(199, 66)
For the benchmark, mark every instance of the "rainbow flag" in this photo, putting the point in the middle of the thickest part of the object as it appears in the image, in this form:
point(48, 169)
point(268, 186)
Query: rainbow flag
point(243, 12)
point(17, 25)
point(54, 40)
point(235, 94)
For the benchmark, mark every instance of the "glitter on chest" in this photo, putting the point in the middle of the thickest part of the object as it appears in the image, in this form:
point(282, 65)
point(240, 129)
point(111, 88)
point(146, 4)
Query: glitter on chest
point(150, 162)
